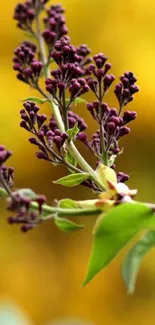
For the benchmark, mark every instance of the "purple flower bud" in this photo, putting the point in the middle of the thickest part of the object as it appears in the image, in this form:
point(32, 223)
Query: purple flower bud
point(108, 80)
point(121, 177)
point(82, 137)
point(33, 141)
point(116, 150)
point(129, 116)
point(42, 155)
point(123, 131)
point(57, 140)
point(24, 125)
point(26, 228)
point(133, 89)
point(111, 127)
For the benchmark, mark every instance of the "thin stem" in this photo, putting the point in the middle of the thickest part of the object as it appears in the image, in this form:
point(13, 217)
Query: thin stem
point(65, 112)
point(42, 92)
point(64, 212)
point(56, 112)
point(121, 109)
point(41, 46)
point(102, 142)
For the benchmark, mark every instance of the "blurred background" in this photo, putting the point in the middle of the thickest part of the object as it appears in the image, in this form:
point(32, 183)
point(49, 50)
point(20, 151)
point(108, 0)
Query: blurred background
point(42, 270)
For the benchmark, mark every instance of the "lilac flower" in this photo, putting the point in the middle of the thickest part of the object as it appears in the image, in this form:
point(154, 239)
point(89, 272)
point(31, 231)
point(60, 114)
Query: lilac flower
point(25, 216)
point(55, 26)
point(26, 65)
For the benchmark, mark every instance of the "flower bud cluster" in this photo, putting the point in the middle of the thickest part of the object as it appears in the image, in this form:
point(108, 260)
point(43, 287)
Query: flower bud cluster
point(26, 65)
point(114, 127)
point(126, 88)
point(70, 73)
point(55, 25)
point(7, 173)
point(101, 81)
point(26, 217)
point(26, 12)
point(48, 137)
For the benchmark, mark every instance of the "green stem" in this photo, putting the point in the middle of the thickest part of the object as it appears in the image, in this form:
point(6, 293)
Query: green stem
point(64, 212)
point(56, 112)
point(41, 45)
point(65, 112)
point(104, 154)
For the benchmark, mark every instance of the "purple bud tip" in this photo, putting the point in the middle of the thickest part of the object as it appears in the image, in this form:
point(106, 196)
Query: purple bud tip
point(111, 127)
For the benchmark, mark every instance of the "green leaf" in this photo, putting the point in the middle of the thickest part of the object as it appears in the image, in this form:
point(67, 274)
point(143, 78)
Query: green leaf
point(72, 132)
point(67, 204)
point(67, 225)
point(36, 100)
point(77, 100)
point(134, 258)
point(113, 231)
point(3, 192)
point(72, 180)
point(69, 158)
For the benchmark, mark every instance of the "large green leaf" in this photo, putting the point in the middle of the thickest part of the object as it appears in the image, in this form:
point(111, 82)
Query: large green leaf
point(114, 230)
point(72, 180)
point(134, 258)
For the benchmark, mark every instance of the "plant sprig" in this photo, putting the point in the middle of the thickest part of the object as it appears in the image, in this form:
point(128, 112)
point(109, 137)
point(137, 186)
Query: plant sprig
point(119, 216)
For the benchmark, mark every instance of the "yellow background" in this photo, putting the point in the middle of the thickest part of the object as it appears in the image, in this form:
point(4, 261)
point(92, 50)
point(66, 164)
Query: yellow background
point(42, 271)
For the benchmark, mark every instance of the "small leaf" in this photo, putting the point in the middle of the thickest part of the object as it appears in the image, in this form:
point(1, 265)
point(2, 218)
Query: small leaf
point(106, 174)
point(67, 225)
point(72, 132)
point(67, 204)
point(3, 192)
point(36, 100)
point(72, 180)
point(80, 100)
point(69, 158)
point(113, 231)
point(134, 258)
point(77, 100)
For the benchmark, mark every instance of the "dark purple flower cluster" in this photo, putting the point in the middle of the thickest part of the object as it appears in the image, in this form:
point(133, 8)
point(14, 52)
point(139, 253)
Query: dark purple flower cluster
point(102, 81)
point(113, 127)
point(25, 215)
point(28, 67)
point(69, 75)
point(126, 89)
point(26, 12)
point(55, 25)
point(48, 138)
point(6, 173)
point(70, 57)
point(122, 177)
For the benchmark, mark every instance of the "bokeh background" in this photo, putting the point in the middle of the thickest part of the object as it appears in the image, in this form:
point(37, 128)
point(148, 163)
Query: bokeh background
point(42, 271)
